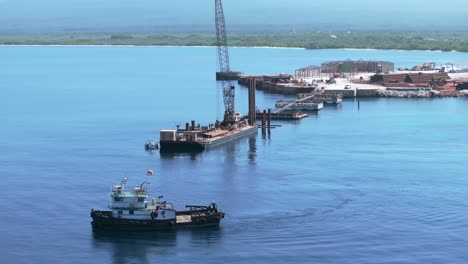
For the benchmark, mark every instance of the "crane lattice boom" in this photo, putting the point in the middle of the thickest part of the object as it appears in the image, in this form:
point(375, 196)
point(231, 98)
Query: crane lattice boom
point(223, 59)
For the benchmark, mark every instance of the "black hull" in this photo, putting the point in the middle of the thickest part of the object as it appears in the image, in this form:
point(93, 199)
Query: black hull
point(181, 146)
point(103, 221)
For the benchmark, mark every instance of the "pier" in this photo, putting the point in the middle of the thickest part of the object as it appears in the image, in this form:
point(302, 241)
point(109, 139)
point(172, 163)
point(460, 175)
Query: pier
point(287, 112)
point(278, 114)
point(285, 115)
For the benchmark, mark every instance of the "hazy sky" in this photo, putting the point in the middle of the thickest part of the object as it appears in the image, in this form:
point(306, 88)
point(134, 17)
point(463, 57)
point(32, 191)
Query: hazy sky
point(315, 13)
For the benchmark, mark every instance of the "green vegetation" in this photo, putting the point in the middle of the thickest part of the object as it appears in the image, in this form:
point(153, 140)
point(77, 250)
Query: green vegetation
point(445, 41)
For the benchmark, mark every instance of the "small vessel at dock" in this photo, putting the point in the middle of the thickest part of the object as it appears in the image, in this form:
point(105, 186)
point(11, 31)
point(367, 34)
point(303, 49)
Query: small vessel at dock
point(151, 145)
point(130, 210)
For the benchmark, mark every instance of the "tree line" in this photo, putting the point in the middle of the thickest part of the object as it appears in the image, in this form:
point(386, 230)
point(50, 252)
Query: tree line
point(445, 41)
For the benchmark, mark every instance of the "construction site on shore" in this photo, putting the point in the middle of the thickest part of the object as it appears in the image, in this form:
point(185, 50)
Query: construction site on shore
point(328, 83)
point(352, 79)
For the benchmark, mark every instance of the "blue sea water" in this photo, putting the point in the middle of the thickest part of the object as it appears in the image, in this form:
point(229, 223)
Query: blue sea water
point(385, 183)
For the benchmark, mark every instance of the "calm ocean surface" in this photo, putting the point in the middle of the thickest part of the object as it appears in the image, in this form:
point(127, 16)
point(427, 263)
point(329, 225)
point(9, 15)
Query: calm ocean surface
point(384, 184)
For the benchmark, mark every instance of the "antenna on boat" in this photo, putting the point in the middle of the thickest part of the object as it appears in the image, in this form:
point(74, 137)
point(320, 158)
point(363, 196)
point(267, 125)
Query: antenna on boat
point(144, 188)
point(124, 181)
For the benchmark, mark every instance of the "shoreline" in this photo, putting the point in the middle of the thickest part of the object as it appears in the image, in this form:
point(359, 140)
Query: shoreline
point(446, 41)
point(126, 45)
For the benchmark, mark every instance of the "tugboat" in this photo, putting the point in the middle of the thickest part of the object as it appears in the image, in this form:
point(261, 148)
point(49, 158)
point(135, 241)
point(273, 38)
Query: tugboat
point(131, 211)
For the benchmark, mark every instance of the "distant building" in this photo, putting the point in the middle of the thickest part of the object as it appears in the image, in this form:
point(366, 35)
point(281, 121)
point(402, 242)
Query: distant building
point(349, 66)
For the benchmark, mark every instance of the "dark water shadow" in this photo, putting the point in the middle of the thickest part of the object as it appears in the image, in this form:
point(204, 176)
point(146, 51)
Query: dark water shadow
point(331, 107)
point(226, 148)
point(252, 153)
point(203, 237)
point(127, 247)
point(175, 155)
point(139, 247)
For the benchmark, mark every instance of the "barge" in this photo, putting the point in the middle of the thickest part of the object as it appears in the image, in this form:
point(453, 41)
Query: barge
point(130, 210)
point(197, 139)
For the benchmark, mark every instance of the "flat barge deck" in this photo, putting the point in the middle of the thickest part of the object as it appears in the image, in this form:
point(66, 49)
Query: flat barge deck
point(198, 139)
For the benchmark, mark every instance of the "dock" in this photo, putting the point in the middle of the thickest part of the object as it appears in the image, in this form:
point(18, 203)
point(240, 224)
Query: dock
point(321, 97)
point(285, 115)
point(290, 105)
point(300, 106)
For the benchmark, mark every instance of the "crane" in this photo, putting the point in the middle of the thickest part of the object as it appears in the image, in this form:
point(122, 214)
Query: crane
point(223, 60)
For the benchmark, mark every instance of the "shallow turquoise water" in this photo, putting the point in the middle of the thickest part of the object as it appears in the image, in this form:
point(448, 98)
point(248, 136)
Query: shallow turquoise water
point(382, 184)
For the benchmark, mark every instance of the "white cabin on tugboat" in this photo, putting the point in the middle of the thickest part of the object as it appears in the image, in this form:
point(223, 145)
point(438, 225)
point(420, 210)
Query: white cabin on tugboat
point(133, 203)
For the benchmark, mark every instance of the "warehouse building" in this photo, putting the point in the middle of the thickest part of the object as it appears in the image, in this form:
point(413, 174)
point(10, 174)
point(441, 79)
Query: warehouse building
point(349, 66)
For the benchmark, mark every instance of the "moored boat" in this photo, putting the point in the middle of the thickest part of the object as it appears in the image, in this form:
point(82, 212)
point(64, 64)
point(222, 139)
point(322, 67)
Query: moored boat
point(199, 138)
point(151, 145)
point(130, 210)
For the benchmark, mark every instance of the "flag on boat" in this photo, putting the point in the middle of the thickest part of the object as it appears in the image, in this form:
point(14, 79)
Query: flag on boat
point(149, 172)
